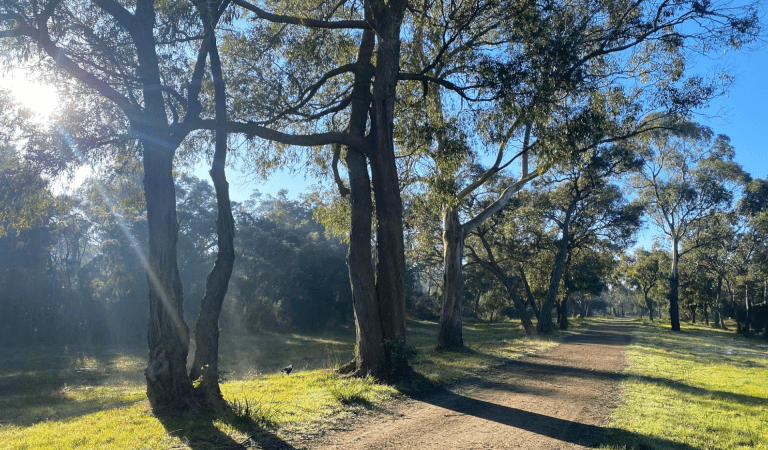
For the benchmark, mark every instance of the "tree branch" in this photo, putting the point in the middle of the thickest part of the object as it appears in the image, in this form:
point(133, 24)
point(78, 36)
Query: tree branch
point(445, 83)
point(494, 207)
point(304, 22)
point(251, 129)
point(335, 165)
point(122, 16)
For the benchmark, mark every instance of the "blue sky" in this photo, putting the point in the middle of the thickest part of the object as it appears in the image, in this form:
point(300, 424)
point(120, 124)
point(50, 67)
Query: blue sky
point(743, 113)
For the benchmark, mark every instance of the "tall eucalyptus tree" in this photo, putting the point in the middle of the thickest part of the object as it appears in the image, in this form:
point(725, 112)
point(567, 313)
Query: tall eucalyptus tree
point(311, 85)
point(138, 67)
point(687, 179)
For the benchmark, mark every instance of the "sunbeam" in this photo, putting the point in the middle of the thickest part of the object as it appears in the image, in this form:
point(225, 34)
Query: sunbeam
point(154, 280)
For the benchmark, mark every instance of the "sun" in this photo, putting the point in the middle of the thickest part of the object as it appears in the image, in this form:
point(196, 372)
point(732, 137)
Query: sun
point(41, 99)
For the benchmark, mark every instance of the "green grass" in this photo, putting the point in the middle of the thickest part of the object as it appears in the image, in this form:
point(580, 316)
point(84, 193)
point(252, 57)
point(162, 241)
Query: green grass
point(701, 388)
point(93, 397)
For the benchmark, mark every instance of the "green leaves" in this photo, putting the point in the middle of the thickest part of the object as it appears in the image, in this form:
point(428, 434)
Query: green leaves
point(25, 200)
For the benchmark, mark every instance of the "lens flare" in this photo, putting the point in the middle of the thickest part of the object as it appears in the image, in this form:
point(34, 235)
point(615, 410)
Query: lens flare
point(41, 99)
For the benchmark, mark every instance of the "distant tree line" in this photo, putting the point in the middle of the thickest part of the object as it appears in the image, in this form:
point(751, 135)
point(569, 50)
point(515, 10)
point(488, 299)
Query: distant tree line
point(76, 275)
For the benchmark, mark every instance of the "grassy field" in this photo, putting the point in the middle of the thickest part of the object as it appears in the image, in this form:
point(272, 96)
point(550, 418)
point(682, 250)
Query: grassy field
point(701, 388)
point(93, 397)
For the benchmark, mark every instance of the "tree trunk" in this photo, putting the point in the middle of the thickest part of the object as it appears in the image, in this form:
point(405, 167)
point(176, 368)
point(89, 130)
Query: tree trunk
point(493, 267)
point(390, 249)
point(648, 304)
point(718, 305)
point(168, 335)
point(545, 315)
point(206, 362)
point(706, 313)
point(583, 309)
point(739, 329)
point(528, 292)
point(674, 311)
point(748, 305)
point(369, 356)
point(449, 333)
point(563, 313)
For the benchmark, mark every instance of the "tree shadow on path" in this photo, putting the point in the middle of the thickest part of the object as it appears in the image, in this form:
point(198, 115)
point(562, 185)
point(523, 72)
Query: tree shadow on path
point(538, 366)
point(560, 429)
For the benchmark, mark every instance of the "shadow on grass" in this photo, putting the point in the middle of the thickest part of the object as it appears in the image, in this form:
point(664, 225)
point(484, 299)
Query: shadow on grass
point(532, 370)
point(57, 383)
point(200, 431)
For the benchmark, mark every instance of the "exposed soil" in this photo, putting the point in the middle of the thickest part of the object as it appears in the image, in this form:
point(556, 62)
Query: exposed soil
point(557, 399)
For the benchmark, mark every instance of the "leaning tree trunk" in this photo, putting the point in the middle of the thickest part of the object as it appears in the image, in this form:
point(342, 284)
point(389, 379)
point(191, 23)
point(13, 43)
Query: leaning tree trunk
point(648, 304)
point(168, 335)
point(493, 267)
point(528, 292)
point(450, 328)
point(206, 363)
point(674, 310)
point(545, 315)
point(390, 249)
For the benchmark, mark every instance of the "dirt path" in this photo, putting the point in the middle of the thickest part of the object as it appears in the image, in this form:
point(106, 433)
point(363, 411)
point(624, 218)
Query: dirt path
point(557, 399)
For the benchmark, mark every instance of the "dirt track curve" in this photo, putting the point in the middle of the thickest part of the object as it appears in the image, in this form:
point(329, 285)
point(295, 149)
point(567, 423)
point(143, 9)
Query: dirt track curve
point(557, 399)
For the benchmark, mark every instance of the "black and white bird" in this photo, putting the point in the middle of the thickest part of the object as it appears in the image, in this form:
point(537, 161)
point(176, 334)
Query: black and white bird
point(287, 370)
